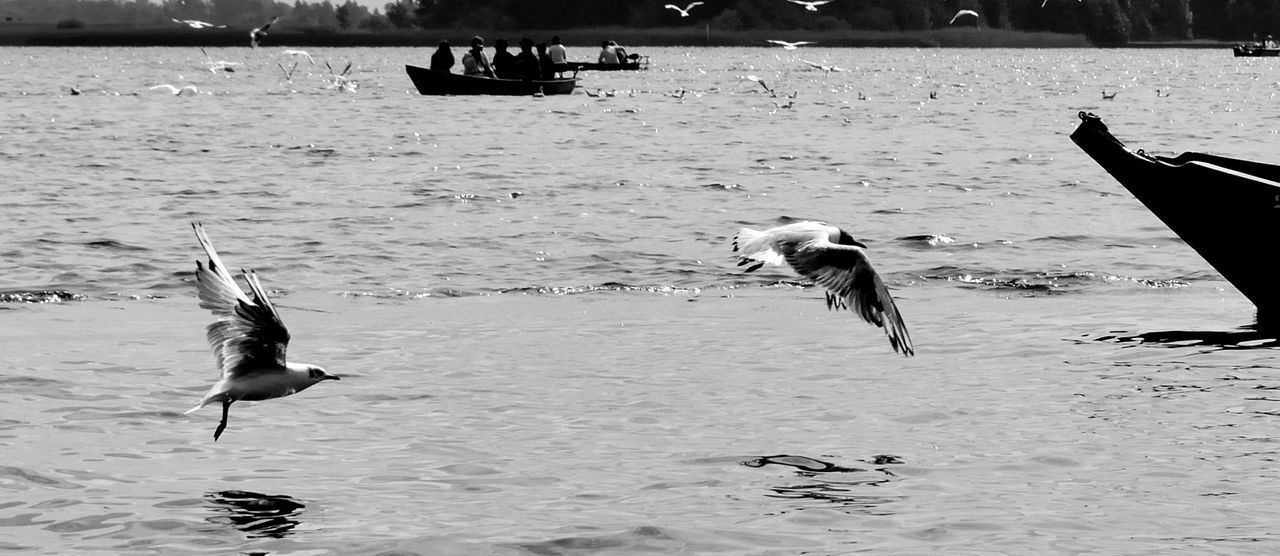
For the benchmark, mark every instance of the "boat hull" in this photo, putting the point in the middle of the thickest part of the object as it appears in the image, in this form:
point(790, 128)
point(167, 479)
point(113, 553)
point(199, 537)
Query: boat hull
point(1254, 51)
point(440, 83)
point(1227, 209)
point(589, 66)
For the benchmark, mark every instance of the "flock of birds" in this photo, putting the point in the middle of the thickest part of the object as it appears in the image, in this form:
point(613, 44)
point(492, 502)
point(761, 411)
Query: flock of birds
point(250, 340)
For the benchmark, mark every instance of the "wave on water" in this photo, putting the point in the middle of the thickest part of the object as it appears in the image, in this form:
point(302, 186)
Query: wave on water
point(40, 296)
point(1046, 283)
point(830, 484)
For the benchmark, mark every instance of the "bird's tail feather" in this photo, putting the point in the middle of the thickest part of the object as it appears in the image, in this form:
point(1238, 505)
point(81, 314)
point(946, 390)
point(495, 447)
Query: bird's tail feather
point(194, 409)
point(757, 246)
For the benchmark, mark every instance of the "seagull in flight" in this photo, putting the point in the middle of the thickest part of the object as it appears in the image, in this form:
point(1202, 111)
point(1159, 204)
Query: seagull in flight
point(197, 24)
point(248, 339)
point(963, 12)
point(258, 32)
point(822, 67)
point(299, 54)
point(685, 11)
point(761, 82)
point(790, 45)
point(811, 5)
point(834, 260)
point(175, 90)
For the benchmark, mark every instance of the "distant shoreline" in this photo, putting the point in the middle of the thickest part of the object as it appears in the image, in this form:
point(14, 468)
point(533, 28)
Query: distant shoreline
point(45, 35)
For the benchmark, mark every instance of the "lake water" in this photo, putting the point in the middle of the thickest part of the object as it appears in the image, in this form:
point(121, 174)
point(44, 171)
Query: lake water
point(546, 345)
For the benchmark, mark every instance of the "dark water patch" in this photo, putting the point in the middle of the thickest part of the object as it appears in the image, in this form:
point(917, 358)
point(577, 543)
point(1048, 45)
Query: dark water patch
point(11, 474)
point(927, 240)
point(87, 523)
point(803, 463)
point(723, 186)
point(114, 245)
point(29, 385)
point(40, 296)
point(1242, 338)
point(258, 515)
point(639, 540)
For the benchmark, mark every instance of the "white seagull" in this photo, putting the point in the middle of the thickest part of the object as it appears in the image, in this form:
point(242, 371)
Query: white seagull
point(258, 32)
point(811, 5)
point(685, 11)
point(248, 339)
point(834, 260)
point(761, 82)
point(176, 90)
point(963, 12)
point(299, 54)
point(790, 45)
point(197, 24)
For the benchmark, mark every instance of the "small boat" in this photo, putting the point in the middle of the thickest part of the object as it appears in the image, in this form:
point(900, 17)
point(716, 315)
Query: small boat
point(1254, 50)
point(431, 82)
point(637, 62)
point(1227, 209)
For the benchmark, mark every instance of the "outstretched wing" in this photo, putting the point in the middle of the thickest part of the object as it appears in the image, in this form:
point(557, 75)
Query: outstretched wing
point(851, 283)
point(248, 334)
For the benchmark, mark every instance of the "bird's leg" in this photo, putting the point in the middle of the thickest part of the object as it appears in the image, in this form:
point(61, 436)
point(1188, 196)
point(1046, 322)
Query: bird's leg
point(226, 406)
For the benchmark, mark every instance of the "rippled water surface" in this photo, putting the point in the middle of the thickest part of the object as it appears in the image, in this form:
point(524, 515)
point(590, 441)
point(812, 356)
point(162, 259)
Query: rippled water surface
point(547, 348)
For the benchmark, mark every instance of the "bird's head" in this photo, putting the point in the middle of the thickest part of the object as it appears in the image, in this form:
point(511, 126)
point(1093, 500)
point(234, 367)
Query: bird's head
point(317, 374)
point(846, 239)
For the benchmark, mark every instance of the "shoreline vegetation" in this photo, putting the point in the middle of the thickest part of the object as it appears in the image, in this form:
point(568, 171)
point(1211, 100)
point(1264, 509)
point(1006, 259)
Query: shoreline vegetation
point(111, 35)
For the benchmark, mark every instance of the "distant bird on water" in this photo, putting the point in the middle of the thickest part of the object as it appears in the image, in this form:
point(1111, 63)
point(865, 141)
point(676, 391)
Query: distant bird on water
point(258, 32)
point(790, 45)
point(685, 11)
point(248, 339)
point(1111, 96)
point(811, 5)
point(197, 24)
point(834, 260)
point(176, 90)
point(963, 13)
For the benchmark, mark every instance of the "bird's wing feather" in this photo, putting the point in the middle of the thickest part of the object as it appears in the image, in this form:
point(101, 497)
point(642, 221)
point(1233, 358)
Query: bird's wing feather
point(845, 272)
point(756, 246)
point(248, 334)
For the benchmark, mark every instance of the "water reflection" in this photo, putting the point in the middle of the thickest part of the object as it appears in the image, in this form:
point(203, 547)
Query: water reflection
point(259, 515)
point(831, 483)
point(1247, 337)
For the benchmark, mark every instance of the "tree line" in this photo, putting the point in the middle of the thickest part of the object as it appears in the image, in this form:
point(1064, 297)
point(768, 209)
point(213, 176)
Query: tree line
point(1103, 21)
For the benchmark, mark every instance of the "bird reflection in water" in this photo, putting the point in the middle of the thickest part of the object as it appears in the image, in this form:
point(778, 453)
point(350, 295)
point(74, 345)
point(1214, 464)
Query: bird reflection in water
point(829, 488)
point(259, 515)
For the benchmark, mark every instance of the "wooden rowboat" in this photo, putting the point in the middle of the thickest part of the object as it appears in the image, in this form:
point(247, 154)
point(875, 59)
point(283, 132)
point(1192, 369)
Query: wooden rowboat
point(441, 83)
point(1227, 209)
point(1254, 50)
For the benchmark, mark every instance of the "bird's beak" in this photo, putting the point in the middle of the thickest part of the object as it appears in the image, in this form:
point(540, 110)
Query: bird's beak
point(332, 377)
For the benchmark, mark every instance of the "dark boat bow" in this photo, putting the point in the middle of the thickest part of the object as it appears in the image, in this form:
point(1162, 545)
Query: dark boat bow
point(1228, 210)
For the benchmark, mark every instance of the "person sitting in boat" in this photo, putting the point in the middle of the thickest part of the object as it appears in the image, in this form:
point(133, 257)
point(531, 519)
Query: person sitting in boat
point(559, 56)
point(608, 55)
point(529, 68)
point(442, 60)
point(620, 52)
point(1269, 43)
point(474, 62)
point(504, 62)
point(545, 67)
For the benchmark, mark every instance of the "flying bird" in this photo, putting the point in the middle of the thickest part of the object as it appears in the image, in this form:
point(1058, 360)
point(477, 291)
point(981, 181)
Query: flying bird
point(822, 67)
point(685, 11)
point(248, 339)
point(197, 24)
point(258, 32)
point(299, 54)
point(834, 260)
point(175, 90)
point(761, 82)
point(811, 5)
point(963, 12)
point(790, 45)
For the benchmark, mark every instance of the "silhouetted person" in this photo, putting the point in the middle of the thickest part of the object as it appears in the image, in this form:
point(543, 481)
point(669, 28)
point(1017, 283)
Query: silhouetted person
point(545, 67)
point(442, 60)
point(504, 62)
point(527, 61)
point(608, 55)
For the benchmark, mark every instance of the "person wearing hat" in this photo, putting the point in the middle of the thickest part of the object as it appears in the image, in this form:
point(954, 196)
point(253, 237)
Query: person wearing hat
point(474, 62)
point(527, 61)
